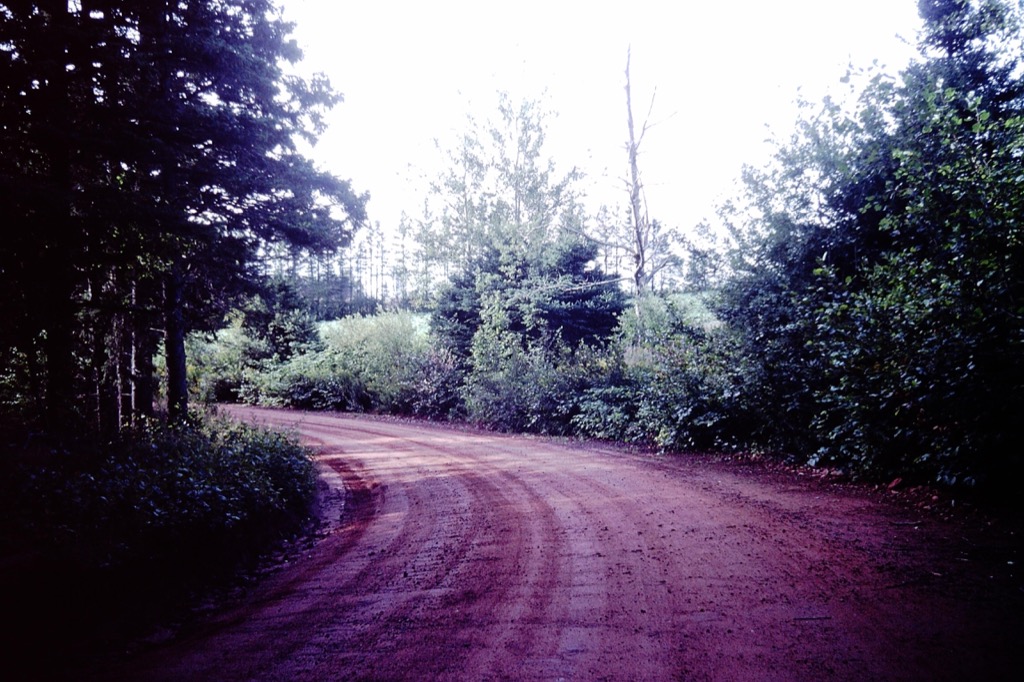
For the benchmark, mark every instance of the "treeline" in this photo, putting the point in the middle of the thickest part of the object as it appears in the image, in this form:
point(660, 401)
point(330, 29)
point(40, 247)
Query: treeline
point(880, 274)
point(150, 163)
point(864, 314)
point(150, 159)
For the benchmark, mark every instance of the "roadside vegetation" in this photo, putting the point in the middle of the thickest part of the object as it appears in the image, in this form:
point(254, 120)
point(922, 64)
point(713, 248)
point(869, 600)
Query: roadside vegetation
point(164, 500)
point(152, 159)
point(858, 305)
point(858, 308)
point(105, 542)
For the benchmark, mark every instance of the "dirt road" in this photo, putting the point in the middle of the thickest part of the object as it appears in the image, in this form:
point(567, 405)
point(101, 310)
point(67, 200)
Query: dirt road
point(469, 556)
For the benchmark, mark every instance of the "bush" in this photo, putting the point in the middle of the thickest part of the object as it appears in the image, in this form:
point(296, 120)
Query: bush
point(207, 493)
point(438, 392)
point(384, 363)
point(682, 394)
point(519, 385)
point(385, 351)
point(922, 381)
point(218, 362)
point(679, 384)
point(324, 380)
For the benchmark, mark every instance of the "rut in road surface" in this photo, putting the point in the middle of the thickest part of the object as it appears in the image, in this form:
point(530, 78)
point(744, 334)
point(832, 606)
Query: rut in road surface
point(463, 555)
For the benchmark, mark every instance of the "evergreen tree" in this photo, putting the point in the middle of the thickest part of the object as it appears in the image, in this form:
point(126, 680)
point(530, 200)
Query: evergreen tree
point(154, 154)
point(513, 230)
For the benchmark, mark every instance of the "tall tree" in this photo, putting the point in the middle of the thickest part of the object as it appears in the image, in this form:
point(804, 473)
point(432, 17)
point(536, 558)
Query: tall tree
point(880, 289)
point(650, 242)
point(159, 139)
point(36, 185)
point(638, 213)
point(498, 192)
point(519, 225)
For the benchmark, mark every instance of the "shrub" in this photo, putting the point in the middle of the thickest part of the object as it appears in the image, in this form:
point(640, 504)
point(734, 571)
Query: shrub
point(520, 385)
point(680, 383)
point(218, 362)
point(921, 380)
point(438, 391)
point(611, 413)
point(385, 351)
point(376, 363)
point(210, 492)
point(324, 380)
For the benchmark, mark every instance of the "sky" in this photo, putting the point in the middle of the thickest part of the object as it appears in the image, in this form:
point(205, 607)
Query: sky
point(723, 76)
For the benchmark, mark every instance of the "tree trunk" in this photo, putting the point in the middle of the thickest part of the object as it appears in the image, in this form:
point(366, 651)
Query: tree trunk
point(58, 286)
point(59, 344)
point(639, 219)
point(143, 374)
point(174, 347)
point(125, 359)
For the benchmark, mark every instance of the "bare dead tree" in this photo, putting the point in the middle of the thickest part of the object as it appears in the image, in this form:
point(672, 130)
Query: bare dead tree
point(651, 242)
point(641, 227)
point(639, 219)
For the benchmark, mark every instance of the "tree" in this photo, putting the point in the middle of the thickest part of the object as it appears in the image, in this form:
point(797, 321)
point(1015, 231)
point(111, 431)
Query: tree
point(498, 192)
point(238, 180)
point(155, 143)
point(880, 282)
point(947, 379)
point(277, 318)
point(651, 242)
point(519, 227)
point(36, 188)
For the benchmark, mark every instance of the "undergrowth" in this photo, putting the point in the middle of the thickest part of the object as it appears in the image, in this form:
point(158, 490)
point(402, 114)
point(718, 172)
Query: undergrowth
point(112, 535)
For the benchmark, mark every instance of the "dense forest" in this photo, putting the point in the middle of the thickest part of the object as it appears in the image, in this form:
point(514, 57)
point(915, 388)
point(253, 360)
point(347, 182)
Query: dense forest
point(860, 306)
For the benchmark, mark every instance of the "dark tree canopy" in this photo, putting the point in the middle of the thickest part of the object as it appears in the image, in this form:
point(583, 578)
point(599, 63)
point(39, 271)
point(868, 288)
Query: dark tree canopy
point(150, 154)
point(563, 293)
point(882, 294)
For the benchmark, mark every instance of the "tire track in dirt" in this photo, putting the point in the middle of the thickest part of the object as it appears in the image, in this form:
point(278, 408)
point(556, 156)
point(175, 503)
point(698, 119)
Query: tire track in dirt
point(464, 555)
point(451, 593)
point(515, 593)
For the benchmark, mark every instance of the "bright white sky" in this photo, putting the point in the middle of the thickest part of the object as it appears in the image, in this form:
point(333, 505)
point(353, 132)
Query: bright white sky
point(723, 71)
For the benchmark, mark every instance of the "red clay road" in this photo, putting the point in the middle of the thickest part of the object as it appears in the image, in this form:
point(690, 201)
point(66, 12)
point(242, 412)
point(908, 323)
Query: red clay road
point(471, 556)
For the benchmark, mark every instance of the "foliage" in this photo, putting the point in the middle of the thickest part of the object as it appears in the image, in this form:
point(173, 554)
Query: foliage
point(387, 350)
point(526, 307)
point(506, 220)
point(868, 318)
point(271, 328)
point(219, 362)
point(314, 381)
point(894, 371)
point(933, 331)
point(679, 384)
point(277, 319)
point(17, 405)
point(561, 293)
point(163, 496)
point(498, 193)
point(879, 277)
point(523, 384)
point(438, 389)
point(151, 155)
point(383, 363)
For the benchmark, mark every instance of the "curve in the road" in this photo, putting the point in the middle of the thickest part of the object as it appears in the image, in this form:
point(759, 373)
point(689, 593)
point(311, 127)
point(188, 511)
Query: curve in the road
point(464, 555)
